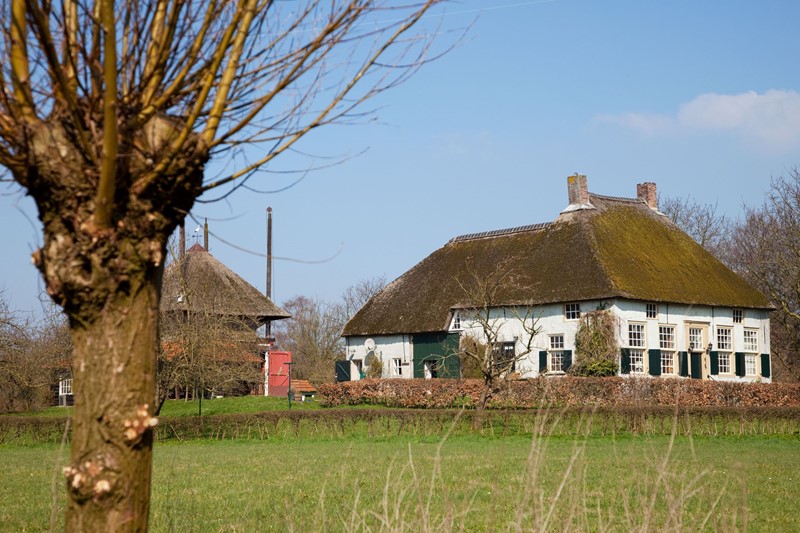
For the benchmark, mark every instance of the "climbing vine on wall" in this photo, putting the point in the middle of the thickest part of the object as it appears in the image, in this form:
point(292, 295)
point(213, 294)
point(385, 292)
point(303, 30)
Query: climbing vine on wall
point(596, 346)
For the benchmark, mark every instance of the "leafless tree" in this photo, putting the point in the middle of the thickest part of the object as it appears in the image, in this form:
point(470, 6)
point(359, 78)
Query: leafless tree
point(312, 335)
point(109, 113)
point(34, 355)
point(702, 222)
point(355, 296)
point(765, 249)
point(496, 336)
point(205, 354)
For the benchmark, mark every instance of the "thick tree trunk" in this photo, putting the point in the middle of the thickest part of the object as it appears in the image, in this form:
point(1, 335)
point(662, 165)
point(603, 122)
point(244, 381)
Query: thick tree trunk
point(109, 476)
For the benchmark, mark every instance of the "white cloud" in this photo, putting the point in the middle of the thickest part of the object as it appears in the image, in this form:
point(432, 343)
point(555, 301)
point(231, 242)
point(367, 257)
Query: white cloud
point(769, 121)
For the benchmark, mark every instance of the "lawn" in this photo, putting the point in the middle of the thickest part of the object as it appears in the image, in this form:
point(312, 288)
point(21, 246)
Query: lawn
point(478, 483)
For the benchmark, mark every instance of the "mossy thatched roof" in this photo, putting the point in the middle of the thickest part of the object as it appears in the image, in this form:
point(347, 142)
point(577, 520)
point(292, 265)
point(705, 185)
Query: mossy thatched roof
point(202, 284)
point(619, 249)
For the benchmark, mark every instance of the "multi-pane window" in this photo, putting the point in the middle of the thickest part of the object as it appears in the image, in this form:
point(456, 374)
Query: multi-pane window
point(724, 362)
point(65, 387)
point(667, 362)
point(696, 338)
point(751, 340)
point(725, 339)
point(637, 361)
point(725, 346)
point(556, 353)
point(652, 310)
point(666, 341)
point(750, 364)
point(636, 335)
point(738, 316)
point(666, 337)
point(457, 321)
point(636, 340)
point(572, 311)
point(397, 368)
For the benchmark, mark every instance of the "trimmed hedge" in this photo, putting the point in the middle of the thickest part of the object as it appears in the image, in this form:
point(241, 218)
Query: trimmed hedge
point(565, 391)
point(434, 423)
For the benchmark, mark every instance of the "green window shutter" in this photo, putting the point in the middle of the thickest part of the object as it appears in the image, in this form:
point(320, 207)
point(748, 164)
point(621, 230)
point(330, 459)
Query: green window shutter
point(765, 365)
point(683, 364)
point(542, 361)
point(625, 361)
point(740, 364)
point(342, 371)
point(654, 362)
point(567, 360)
point(714, 363)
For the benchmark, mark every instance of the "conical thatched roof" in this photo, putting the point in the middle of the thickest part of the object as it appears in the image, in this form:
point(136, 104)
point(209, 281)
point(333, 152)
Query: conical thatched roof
point(200, 283)
point(618, 247)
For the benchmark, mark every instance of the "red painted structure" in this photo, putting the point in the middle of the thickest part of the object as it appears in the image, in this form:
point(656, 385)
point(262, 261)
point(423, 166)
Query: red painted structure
point(278, 373)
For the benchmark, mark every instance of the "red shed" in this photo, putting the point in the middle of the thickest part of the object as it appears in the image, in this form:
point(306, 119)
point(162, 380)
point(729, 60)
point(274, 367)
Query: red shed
point(278, 373)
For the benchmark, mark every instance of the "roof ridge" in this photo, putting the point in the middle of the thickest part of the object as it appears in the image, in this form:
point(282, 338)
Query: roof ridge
point(617, 198)
point(499, 232)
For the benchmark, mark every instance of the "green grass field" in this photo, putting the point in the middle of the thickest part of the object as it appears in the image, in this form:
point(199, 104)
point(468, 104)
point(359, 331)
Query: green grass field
point(476, 483)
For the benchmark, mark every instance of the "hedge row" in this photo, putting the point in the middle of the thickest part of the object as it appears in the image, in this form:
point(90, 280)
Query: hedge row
point(435, 423)
point(560, 392)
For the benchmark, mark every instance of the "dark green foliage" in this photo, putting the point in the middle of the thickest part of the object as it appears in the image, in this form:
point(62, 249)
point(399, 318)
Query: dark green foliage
point(597, 368)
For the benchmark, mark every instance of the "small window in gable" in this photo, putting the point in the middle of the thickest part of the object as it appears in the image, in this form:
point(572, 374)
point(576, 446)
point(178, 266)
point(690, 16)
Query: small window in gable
point(652, 310)
point(738, 316)
point(572, 311)
point(457, 321)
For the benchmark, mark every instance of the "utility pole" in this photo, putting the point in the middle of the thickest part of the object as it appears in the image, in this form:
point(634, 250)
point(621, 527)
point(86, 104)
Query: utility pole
point(289, 394)
point(268, 332)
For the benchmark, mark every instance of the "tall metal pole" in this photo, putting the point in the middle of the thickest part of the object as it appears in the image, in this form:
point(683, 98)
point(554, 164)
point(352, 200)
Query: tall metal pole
point(269, 266)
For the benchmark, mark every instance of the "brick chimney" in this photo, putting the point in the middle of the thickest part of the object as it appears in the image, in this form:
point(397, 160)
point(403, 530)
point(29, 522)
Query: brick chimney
point(647, 193)
point(578, 190)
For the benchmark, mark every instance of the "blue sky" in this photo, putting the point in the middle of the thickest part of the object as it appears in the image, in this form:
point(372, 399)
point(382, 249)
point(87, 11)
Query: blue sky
point(702, 97)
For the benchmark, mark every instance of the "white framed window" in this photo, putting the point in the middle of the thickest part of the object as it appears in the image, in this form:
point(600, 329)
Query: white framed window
point(724, 339)
point(738, 316)
point(666, 337)
point(724, 362)
point(65, 387)
point(637, 361)
point(652, 310)
point(666, 341)
point(636, 338)
point(751, 340)
point(749, 364)
point(556, 353)
point(572, 311)
point(695, 338)
point(456, 321)
point(667, 362)
point(397, 367)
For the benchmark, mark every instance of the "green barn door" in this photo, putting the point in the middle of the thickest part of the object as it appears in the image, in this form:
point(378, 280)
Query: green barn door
point(438, 354)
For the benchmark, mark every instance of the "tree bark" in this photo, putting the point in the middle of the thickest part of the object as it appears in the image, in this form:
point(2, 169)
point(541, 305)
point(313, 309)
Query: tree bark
point(115, 355)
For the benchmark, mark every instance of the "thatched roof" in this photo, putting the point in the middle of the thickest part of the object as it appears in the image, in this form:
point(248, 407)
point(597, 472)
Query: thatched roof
point(619, 248)
point(200, 283)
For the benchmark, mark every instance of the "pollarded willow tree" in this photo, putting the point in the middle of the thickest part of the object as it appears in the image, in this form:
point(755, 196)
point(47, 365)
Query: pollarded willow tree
point(109, 113)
